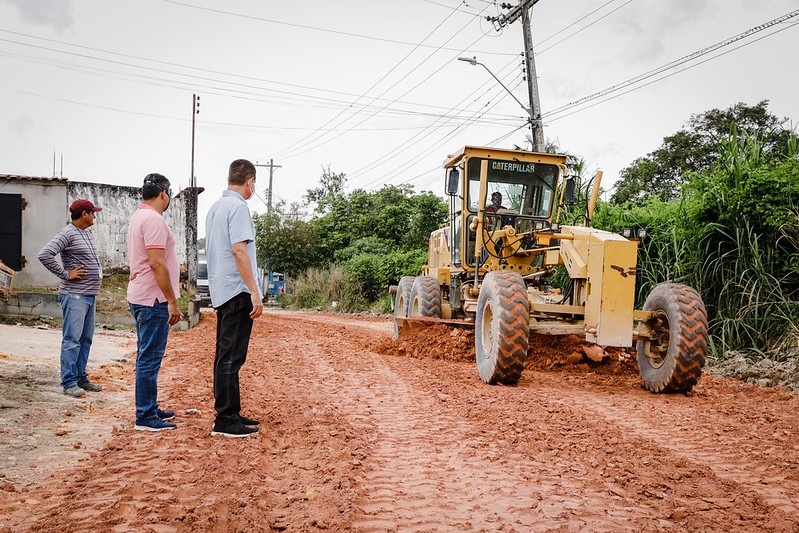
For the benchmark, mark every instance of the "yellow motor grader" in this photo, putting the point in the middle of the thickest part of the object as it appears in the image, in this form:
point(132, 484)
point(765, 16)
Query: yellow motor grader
point(492, 266)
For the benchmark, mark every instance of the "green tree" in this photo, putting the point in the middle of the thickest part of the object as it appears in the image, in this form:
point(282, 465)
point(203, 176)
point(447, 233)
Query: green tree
point(695, 148)
point(285, 242)
point(331, 187)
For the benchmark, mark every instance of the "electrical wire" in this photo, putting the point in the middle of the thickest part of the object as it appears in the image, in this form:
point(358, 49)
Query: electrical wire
point(571, 24)
point(240, 91)
point(308, 139)
point(443, 140)
point(551, 115)
point(408, 142)
point(550, 47)
point(316, 28)
point(287, 154)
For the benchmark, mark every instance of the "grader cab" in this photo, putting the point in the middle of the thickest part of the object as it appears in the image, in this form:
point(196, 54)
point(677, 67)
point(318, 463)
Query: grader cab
point(492, 268)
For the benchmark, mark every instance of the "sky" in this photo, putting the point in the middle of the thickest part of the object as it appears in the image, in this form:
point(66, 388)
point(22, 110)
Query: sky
point(372, 89)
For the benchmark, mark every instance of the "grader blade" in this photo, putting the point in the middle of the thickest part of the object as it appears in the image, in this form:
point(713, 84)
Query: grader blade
point(408, 327)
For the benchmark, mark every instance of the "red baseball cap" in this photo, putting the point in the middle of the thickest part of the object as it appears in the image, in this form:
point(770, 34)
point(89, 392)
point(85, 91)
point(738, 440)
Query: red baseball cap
point(81, 205)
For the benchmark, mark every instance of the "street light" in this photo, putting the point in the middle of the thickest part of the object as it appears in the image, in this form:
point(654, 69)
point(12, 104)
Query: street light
point(473, 61)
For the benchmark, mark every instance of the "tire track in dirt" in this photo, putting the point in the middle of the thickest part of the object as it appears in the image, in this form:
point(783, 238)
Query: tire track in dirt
point(355, 439)
point(296, 475)
point(765, 460)
point(429, 469)
point(683, 489)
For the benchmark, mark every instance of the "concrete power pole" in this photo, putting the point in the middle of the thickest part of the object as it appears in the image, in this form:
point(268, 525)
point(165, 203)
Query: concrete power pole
point(191, 193)
point(195, 110)
point(272, 166)
point(523, 11)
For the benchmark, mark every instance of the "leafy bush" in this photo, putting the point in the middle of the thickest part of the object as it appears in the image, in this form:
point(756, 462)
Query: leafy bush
point(364, 245)
point(375, 272)
point(318, 288)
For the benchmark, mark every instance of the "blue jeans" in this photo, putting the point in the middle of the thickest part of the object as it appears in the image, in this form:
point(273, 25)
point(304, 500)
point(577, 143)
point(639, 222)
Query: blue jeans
point(152, 328)
point(78, 331)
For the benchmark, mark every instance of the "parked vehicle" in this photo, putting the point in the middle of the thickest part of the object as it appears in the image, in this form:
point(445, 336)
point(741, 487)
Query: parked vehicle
point(203, 292)
point(275, 284)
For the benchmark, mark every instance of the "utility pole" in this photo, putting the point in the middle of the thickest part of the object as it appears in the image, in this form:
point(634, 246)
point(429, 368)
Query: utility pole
point(522, 10)
point(272, 166)
point(192, 193)
point(195, 110)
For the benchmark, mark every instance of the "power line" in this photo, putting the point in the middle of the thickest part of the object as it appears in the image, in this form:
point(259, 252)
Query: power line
point(299, 149)
point(287, 150)
point(442, 140)
point(550, 47)
point(570, 25)
point(674, 73)
point(402, 146)
point(208, 89)
point(673, 64)
point(326, 30)
point(449, 7)
point(289, 95)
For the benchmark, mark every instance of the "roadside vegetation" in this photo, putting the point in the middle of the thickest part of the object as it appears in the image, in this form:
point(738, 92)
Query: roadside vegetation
point(719, 201)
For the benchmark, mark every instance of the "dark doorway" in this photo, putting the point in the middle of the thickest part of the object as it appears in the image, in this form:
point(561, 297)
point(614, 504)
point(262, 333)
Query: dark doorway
point(11, 230)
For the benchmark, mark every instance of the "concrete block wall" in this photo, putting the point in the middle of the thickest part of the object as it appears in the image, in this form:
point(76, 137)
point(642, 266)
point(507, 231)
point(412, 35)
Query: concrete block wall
point(110, 229)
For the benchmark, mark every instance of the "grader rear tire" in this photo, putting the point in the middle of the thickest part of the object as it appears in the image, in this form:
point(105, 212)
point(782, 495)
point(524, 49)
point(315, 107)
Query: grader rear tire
point(425, 300)
point(502, 328)
point(673, 360)
point(402, 301)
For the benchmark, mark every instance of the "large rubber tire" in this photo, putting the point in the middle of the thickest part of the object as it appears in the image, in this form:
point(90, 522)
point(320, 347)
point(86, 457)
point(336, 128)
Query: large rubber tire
point(502, 327)
point(402, 300)
point(425, 298)
point(673, 361)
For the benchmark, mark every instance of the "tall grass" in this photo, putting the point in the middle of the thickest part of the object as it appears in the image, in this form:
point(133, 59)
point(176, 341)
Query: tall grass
point(747, 290)
point(742, 271)
point(318, 288)
point(734, 236)
point(664, 255)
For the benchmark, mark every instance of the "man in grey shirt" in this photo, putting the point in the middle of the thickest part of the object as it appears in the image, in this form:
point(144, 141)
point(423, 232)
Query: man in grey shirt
point(230, 247)
point(81, 277)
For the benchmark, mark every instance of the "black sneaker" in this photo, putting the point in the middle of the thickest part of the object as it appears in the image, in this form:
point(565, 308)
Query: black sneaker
point(154, 424)
point(234, 430)
point(248, 421)
point(165, 415)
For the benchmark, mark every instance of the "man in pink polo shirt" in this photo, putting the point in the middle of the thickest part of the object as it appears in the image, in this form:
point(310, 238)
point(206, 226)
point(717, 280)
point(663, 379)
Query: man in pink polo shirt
point(152, 295)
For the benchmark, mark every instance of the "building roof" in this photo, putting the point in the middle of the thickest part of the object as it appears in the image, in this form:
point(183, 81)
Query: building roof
point(31, 178)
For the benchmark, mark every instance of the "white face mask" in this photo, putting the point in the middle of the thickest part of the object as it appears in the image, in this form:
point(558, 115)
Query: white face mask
point(251, 188)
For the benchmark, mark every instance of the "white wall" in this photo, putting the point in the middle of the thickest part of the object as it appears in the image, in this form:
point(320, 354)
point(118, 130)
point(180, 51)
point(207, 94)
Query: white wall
point(45, 214)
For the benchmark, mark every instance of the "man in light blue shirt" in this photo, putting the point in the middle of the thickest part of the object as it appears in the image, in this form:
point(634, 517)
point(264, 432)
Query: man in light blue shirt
point(235, 295)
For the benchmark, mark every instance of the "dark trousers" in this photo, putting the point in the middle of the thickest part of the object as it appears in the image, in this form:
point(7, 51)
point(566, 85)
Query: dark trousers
point(233, 328)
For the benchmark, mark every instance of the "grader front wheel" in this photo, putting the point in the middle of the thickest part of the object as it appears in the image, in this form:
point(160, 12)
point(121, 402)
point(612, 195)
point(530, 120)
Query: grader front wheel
point(502, 327)
point(672, 360)
point(402, 301)
point(425, 299)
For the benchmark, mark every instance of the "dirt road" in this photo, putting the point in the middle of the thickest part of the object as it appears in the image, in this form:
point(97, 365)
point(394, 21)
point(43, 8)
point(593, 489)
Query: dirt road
point(360, 433)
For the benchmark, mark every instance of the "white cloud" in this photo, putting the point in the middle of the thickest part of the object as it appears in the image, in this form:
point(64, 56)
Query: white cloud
point(648, 25)
point(55, 13)
point(21, 127)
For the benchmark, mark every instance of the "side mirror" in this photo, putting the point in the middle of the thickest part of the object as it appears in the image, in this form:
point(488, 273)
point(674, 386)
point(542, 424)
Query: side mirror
point(452, 182)
point(570, 191)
